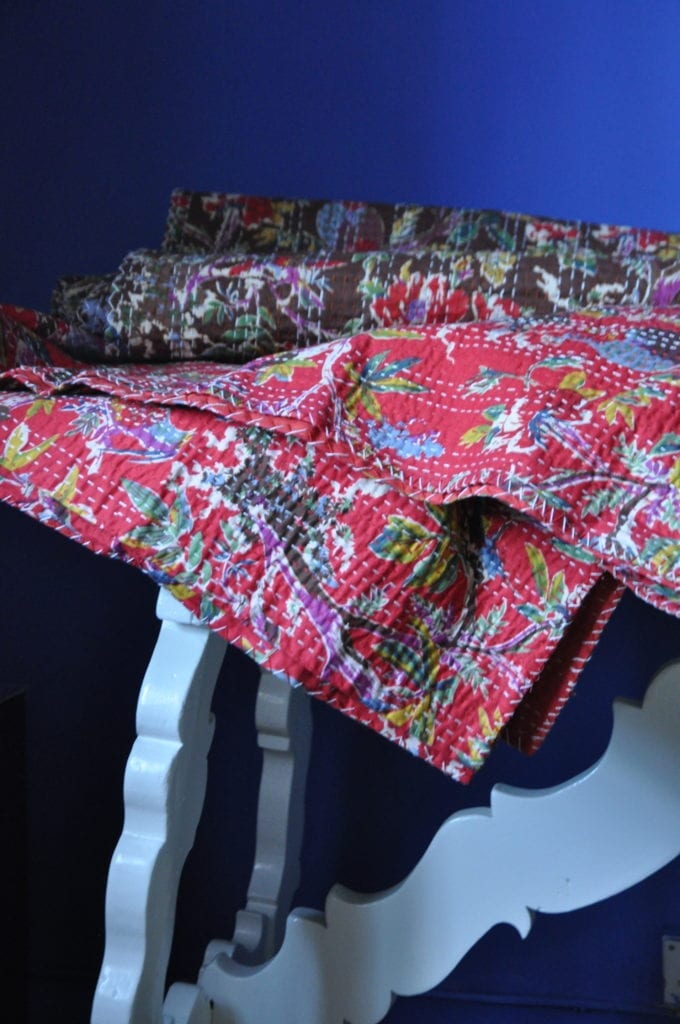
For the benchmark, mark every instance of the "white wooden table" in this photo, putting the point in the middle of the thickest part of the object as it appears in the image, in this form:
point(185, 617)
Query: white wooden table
point(547, 851)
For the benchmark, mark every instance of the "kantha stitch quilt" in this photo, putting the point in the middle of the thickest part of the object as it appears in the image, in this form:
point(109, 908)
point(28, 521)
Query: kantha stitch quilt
point(425, 526)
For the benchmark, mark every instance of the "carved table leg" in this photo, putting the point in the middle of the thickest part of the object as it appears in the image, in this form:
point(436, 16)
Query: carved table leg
point(283, 719)
point(534, 850)
point(164, 791)
point(548, 850)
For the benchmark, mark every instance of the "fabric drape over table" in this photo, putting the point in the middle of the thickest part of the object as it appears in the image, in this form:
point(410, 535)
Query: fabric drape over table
point(425, 523)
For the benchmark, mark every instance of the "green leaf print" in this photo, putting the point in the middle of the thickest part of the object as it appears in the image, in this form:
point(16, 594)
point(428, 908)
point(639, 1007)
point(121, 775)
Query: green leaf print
point(146, 501)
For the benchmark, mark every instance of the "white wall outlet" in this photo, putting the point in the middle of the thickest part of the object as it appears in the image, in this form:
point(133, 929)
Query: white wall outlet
point(671, 971)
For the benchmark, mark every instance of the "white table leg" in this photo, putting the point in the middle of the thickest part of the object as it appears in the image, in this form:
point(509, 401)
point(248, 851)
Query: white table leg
point(284, 726)
point(164, 791)
point(283, 719)
point(534, 850)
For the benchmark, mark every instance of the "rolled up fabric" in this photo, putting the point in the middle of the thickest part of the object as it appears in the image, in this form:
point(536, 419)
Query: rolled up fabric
point(162, 307)
point(224, 222)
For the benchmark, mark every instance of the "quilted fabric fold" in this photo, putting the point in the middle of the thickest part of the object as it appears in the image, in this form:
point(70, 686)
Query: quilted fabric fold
point(422, 501)
point(321, 268)
point(160, 307)
point(426, 527)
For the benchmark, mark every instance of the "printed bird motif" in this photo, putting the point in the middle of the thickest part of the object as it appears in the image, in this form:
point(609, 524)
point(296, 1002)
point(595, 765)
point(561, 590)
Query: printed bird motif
point(637, 351)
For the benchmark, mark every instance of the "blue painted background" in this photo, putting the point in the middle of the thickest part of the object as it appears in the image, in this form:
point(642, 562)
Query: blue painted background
point(563, 108)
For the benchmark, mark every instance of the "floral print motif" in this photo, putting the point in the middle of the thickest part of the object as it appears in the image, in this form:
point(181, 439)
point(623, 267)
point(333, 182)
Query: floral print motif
point(234, 307)
point(28, 337)
point(215, 222)
point(427, 528)
point(321, 268)
point(424, 502)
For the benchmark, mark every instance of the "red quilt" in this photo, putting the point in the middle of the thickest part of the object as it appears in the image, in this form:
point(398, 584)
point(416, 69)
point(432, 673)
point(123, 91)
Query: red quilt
point(426, 528)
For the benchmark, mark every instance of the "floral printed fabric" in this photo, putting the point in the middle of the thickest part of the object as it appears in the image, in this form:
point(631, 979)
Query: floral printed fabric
point(160, 307)
point(320, 268)
point(425, 527)
point(205, 222)
point(82, 300)
point(31, 338)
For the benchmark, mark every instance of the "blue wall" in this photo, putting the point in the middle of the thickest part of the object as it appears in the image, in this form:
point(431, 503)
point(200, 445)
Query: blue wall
point(569, 109)
point(564, 108)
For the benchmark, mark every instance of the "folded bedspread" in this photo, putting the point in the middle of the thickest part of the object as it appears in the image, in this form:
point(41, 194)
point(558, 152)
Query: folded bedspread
point(427, 527)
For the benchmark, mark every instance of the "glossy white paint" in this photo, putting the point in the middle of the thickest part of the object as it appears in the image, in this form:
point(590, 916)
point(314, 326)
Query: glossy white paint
point(164, 790)
point(284, 727)
point(534, 850)
point(544, 850)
